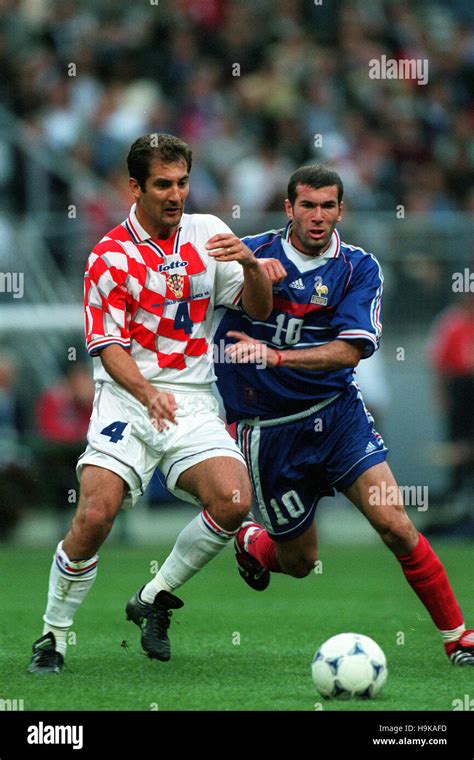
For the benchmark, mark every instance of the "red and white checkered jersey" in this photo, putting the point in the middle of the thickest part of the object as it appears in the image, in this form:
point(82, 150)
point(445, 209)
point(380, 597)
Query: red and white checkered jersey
point(156, 298)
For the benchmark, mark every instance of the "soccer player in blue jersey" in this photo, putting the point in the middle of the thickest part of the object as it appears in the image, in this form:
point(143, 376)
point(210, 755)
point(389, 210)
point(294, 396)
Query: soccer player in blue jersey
point(301, 421)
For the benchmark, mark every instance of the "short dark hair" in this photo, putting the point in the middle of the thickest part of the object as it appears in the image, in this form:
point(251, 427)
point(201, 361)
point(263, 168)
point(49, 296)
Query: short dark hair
point(314, 176)
point(162, 147)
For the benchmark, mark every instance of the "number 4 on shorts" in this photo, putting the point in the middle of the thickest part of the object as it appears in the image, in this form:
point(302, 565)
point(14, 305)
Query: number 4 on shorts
point(115, 431)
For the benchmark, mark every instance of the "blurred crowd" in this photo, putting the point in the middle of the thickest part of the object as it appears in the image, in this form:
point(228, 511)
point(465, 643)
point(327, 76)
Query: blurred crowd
point(40, 442)
point(451, 355)
point(256, 88)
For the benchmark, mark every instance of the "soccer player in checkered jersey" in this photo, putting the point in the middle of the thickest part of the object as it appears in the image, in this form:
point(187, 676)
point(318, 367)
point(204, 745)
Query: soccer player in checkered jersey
point(151, 286)
point(301, 421)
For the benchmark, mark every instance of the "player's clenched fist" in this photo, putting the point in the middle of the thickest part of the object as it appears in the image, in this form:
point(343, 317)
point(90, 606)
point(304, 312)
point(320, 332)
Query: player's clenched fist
point(228, 247)
point(274, 268)
point(161, 407)
point(249, 350)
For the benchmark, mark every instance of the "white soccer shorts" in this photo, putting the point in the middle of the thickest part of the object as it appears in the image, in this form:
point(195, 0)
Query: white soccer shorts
point(121, 438)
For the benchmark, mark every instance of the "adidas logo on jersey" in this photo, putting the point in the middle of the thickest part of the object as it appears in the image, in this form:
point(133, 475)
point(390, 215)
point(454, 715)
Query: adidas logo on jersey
point(297, 284)
point(370, 447)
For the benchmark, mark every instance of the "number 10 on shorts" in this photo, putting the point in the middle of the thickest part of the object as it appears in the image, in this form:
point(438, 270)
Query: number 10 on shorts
point(293, 504)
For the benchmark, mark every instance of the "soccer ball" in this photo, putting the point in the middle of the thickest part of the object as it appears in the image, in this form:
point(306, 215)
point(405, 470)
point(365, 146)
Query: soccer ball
point(349, 665)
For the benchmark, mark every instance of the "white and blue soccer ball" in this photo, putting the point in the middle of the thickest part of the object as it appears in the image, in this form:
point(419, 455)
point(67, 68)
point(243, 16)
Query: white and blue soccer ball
point(349, 665)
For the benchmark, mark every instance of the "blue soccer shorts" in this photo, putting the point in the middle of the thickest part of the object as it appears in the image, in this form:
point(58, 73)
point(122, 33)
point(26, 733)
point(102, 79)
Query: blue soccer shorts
point(294, 461)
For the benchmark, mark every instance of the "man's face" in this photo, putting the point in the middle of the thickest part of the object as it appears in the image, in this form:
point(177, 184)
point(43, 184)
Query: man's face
point(161, 204)
point(314, 216)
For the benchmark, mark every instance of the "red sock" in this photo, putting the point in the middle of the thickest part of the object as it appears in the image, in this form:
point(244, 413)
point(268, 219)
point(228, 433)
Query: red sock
point(427, 577)
point(264, 549)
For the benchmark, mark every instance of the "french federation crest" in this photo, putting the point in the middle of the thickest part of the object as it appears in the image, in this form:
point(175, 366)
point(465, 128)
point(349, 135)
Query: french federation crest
point(175, 282)
point(321, 292)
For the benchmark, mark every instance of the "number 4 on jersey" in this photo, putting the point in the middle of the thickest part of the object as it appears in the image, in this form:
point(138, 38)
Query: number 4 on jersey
point(182, 320)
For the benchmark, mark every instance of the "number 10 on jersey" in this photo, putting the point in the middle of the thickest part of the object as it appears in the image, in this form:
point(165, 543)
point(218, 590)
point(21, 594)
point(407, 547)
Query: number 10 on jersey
point(292, 330)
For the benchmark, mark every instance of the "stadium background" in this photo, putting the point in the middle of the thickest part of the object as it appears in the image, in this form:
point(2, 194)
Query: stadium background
point(256, 89)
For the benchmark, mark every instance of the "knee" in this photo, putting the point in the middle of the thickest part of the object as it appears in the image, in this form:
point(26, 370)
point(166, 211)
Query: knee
point(96, 516)
point(230, 506)
point(299, 566)
point(398, 534)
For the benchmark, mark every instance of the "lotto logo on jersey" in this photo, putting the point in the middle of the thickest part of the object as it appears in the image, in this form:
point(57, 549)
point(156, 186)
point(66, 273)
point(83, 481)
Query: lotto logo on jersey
point(175, 283)
point(172, 265)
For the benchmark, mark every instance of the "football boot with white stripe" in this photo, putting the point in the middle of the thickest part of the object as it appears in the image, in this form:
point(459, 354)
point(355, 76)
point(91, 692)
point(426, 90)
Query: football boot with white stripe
point(461, 652)
point(45, 657)
point(254, 574)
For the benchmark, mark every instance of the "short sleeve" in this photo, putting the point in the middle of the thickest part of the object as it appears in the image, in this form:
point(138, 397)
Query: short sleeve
point(359, 314)
point(105, 301)
point(229, 282)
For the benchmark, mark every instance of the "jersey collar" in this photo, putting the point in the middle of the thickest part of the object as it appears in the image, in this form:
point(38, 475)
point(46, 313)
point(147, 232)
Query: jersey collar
point(140, 235)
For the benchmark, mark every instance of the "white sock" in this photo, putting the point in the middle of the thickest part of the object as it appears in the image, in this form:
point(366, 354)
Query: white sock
point(60, 636)
point(69, 582)
point(453, 635)
point(200, 541)
point(248, 535)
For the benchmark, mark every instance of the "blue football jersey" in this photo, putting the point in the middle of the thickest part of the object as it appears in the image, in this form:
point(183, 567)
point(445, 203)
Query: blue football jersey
point(335, 296)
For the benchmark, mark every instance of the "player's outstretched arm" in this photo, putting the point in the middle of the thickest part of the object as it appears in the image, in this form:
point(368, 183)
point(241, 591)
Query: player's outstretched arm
point(338, 354)
point(257, 296)
point(123, 369)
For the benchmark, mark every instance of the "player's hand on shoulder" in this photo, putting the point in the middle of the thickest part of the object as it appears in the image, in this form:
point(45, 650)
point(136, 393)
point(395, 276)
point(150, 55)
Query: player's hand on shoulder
point(162, 408)
point(226, 246)
point(249, 350)
point(274, 268)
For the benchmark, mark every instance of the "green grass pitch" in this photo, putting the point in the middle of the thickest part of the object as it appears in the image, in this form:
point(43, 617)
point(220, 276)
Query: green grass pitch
point(232, 648)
